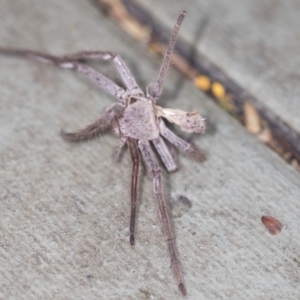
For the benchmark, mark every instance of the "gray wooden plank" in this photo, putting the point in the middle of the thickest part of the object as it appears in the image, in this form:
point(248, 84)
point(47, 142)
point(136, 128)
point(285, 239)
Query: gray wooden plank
point(65, 208)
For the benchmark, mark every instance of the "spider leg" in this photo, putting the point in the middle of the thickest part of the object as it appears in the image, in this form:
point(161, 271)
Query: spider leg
point(119, 63)
point(68, 62)
point(100, 125)
point(164, 154)
point(62, 61)
point(153, 167)
point(134, 152)
point(187, 148)
point(154, 90)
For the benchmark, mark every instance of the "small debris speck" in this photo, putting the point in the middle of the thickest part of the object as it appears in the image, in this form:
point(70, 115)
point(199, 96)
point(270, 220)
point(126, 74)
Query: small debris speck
point(273, 225)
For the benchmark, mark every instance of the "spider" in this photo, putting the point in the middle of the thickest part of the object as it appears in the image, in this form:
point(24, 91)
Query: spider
point(139, 122)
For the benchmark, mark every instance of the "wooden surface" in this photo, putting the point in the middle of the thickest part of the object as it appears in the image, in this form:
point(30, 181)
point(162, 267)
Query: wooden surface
point(64, 209)
point(255, 42)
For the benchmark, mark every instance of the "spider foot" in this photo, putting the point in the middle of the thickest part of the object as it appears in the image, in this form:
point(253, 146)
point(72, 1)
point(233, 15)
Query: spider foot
point(132, 239)
point(69, 136)
point(182, 289)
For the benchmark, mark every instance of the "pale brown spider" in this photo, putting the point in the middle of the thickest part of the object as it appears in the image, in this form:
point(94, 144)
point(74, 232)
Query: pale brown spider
point(138, 122)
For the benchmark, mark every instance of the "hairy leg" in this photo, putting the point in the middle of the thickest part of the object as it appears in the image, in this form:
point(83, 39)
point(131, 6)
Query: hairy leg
point(93, 130)
point(153, 167)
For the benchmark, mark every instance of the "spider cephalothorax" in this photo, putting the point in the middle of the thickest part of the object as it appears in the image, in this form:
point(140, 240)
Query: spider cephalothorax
point(139, 122)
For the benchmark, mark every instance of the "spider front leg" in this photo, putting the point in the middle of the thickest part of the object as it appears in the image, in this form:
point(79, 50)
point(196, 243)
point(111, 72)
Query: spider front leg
point(154, 90)
point(119, 63)
point(153, 168)
point(72, 61)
